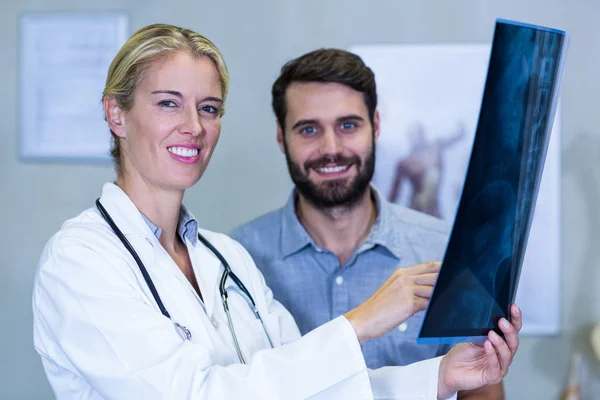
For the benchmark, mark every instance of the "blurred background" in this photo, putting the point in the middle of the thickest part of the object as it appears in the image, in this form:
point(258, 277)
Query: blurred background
point(248, 175)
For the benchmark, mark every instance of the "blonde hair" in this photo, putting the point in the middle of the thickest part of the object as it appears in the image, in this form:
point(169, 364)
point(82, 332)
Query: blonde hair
point(145, 47)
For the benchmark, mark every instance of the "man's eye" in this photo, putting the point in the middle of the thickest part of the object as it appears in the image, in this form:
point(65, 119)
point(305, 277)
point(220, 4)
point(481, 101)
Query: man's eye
point(308, 130)
point(348, 125)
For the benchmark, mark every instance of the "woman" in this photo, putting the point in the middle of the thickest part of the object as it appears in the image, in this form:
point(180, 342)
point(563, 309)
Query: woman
point(131, 300)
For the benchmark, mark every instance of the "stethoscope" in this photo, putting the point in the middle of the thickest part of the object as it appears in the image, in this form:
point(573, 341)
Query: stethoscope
point(240, 289)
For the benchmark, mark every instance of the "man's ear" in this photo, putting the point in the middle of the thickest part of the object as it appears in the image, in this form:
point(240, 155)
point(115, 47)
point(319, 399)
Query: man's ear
point(115, 116)
point(280, 138)
point(376, 126)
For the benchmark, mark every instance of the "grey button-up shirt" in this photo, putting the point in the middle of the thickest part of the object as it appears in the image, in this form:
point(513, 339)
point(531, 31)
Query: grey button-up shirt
point(311, 284)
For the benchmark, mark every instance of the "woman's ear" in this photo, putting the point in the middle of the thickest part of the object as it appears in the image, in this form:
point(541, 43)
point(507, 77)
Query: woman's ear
point(114, 116)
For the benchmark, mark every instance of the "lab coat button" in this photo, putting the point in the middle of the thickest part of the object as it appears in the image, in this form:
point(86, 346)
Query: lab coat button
point(215, 322)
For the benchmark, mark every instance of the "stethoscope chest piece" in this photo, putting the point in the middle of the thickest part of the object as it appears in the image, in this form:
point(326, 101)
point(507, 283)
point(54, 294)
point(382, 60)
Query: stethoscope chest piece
point(183, 331)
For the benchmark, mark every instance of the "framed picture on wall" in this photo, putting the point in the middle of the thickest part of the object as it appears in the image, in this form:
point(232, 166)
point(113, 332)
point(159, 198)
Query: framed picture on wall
point(429, 101)
point(64, 59)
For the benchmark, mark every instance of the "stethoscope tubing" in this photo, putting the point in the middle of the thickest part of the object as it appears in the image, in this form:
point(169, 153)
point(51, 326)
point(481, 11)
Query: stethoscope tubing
point(222, 290)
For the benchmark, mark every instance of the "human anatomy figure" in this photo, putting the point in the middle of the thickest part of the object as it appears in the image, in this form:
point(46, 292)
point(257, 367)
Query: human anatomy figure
point(423, 168)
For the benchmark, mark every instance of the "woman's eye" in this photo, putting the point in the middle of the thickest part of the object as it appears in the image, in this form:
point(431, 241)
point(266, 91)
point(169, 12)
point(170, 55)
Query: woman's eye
point(209, 109)
point(167, 103)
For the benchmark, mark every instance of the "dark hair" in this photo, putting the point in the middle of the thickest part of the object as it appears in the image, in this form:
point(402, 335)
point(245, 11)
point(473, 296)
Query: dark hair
point(325, 65)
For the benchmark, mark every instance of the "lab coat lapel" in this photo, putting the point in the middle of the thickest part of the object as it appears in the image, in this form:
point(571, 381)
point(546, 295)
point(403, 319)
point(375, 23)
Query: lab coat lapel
point(208, 270)
point(206, 265)
point(123, 211)
point(130, 221)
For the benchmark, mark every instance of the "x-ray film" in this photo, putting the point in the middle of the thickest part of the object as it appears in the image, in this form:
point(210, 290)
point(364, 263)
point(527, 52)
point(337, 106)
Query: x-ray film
point(480, 270)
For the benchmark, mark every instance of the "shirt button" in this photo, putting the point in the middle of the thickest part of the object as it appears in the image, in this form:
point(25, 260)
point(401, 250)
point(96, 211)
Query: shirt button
point(403, 327)
point(339, 280)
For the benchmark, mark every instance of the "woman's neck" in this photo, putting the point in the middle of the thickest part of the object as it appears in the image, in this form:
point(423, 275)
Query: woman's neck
point(159, 205)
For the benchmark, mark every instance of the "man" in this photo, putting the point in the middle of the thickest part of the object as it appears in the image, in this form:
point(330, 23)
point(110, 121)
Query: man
point(337, 239)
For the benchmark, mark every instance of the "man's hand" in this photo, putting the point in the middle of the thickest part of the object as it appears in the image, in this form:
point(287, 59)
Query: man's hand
point(405, 293)
point(472, 365)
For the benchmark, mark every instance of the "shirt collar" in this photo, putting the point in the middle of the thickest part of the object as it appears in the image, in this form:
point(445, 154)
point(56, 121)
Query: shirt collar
point(132, 222)
point(187, 226)
point(293, 235)
point(383, 233)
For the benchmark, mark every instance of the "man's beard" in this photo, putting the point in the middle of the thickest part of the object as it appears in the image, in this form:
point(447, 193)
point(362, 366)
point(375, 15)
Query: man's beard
point(335, 192)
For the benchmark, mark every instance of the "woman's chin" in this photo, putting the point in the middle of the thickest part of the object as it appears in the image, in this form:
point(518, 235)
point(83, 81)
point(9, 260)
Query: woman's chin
point(181, 182)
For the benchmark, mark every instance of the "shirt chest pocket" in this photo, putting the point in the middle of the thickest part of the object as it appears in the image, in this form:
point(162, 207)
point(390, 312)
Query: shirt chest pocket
point(409, 330)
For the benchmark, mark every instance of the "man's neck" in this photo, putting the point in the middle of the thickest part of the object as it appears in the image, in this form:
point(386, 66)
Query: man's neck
point(339, 229)
point(160, 206)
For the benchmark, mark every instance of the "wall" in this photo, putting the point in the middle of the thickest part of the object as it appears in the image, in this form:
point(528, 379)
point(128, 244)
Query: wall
point(248, 175)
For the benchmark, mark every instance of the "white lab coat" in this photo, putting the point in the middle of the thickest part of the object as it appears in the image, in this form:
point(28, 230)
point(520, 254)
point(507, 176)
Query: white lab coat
point(101, 335)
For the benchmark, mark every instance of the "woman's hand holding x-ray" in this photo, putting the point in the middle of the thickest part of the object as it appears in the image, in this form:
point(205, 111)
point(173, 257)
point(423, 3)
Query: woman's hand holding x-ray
point(406, 292)
point(473, 365)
